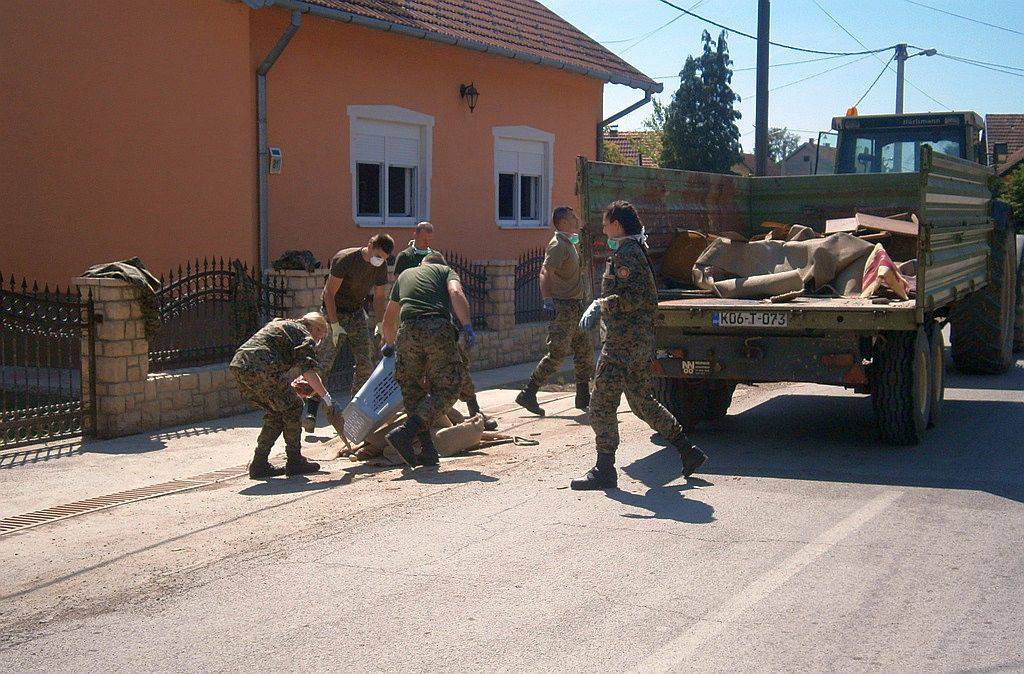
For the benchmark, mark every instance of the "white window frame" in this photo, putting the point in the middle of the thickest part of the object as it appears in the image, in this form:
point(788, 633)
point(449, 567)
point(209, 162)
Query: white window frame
point(529, 134)
point(362, 116)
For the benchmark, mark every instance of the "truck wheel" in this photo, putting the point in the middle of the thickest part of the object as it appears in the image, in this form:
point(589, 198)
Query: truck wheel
point(901, 386)
point(937, 350)
point(719, 397)
point(982, 334)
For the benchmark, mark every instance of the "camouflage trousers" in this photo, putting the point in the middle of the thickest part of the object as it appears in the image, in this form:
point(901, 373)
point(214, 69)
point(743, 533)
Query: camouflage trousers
point(467, 390)
point(625, 367)
point(357, 338)
point(280, 405)
point(564, 334)
point(429, 367)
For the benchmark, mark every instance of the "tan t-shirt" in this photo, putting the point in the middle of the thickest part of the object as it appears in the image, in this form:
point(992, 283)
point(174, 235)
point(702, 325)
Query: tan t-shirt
point(358, 277)
point(562, 266)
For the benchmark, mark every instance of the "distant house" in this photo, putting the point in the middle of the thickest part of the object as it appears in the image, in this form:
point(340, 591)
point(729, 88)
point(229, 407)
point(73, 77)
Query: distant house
point(1004, 134)
point(630, 145)
point(803, 160)
point(747, 166)
point(134, 130)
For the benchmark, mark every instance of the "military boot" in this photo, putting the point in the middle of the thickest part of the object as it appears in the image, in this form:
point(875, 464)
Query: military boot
point(298, 464)
point(474, 409)
point(401, 439)
point(690, 454)
point(260, 467)
point(601, 476)
point(527, 398)
point(583, 396)
point(428, 454)
point(309, 414)
point(489, 424)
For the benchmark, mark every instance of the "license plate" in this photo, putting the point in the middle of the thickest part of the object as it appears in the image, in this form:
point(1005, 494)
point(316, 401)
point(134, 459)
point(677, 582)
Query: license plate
point(749, 319)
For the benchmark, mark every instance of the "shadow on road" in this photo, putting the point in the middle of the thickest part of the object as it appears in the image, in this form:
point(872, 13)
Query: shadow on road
point(976, 445)
point(663, 502)
point(442, 476)
point(292, 485)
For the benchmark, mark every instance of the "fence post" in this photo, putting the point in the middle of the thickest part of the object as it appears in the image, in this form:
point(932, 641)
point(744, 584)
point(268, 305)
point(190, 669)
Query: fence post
point(501, 295)
point(305, 289)
point(121, 356)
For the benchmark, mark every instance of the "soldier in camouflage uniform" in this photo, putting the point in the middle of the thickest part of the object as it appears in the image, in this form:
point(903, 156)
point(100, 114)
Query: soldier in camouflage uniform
point(429, 366)
point(627, 306)
point(561, 286)
point(259, 366)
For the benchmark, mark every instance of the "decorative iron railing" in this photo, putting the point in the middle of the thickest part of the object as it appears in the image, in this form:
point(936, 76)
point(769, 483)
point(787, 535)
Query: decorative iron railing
point(529, 303)
point(208, 309)
point(474, 284)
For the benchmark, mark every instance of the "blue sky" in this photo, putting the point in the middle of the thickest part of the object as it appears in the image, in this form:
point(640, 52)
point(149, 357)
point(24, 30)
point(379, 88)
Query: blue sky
point(809, 106)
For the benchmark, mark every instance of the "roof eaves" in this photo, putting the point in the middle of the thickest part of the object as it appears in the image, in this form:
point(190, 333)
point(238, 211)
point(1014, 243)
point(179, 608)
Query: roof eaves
point(648, 86)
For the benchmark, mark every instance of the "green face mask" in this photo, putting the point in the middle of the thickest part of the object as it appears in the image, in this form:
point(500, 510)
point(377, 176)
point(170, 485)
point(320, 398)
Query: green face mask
point(613, 244)
point(574, 238)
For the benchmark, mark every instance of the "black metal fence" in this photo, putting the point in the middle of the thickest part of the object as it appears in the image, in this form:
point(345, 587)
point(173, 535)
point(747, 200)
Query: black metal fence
point(529, 303)
point(474, 284)
point(208, 309)
point(42, 333)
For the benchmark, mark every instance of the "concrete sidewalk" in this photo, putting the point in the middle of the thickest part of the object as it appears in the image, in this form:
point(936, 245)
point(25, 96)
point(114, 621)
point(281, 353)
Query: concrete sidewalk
point(46, 475)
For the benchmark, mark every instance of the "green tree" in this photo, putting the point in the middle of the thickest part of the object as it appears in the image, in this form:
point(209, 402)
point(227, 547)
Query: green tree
point(612, 154)
point(782, 143)
point(700, 122)
point(1012, 192)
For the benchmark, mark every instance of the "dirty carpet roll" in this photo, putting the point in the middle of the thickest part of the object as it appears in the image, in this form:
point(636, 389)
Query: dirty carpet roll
point(756, 287)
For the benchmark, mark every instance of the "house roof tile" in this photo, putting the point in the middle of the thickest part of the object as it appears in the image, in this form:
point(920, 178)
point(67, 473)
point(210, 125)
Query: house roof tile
point(526, 27)
point(1007, 129)
point(625, 141)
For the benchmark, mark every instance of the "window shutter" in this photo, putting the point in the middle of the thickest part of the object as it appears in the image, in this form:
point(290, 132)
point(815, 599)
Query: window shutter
point(403, 151)
point(508, 162)
point(531, 164)
point(368, 148)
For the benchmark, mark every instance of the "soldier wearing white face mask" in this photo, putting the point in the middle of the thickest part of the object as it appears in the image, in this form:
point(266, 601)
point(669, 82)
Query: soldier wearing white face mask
point(355, 272)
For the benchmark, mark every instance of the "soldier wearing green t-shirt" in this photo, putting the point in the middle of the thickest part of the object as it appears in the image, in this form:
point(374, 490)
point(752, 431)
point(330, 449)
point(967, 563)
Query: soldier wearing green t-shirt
point(417, 250)
point(428, 367)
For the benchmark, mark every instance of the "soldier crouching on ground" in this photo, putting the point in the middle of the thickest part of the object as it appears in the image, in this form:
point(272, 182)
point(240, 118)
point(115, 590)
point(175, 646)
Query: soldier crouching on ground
point(259, 367)
point(628, 302)
point(429, 367)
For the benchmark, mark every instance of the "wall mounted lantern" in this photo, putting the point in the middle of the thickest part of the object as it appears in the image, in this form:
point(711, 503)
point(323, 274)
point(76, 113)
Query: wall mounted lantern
point(469, 92)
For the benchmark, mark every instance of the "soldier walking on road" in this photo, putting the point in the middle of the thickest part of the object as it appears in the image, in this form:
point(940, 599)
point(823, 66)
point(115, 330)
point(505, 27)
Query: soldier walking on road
point(627, 306)
point(258, 367)
point(354, 272)
point(428, 366)
point(561, 286)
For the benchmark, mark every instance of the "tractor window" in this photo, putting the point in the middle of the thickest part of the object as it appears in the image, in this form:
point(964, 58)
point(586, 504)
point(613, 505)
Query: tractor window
point(894, 151)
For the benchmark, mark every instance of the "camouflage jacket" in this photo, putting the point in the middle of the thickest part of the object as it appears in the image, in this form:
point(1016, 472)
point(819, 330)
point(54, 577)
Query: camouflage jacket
point(631, 298)
point(276, 348)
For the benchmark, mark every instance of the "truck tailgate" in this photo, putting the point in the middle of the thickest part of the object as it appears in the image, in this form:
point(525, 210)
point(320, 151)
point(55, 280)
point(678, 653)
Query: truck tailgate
point(804, 314)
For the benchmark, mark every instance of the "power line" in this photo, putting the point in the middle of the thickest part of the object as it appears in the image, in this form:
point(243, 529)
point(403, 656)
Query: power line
point(823, 72)
point(1006, 70)
point(636, 38)
point(889, 67)
point(776, 44)
point(965, 18)
point(882, 72)
point(770, 65)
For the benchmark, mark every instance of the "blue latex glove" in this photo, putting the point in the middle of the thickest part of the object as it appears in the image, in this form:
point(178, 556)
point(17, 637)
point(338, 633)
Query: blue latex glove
point(591, 317)
point(549, 304)
point(387, 350)
point(469, 336)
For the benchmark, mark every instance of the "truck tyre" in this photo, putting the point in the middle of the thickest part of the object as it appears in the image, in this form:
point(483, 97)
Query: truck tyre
point(937, 350)
point(901, 386)
point(982, 325)
point(719, 397)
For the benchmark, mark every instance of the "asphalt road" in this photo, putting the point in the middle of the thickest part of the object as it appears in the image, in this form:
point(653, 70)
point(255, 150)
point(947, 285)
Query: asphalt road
point(806, 546)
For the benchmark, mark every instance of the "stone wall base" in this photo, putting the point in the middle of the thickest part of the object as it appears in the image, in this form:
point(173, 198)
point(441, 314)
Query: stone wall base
point(193, 394)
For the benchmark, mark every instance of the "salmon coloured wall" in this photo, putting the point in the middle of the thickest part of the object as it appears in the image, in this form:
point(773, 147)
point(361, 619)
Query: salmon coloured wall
point(329, 66)
point(127, 129)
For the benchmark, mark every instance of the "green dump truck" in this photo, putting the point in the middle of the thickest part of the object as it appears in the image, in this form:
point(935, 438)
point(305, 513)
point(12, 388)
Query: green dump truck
point(706, 345)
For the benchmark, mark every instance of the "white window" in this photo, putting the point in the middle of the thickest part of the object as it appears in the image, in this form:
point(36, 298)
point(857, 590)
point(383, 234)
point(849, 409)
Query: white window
point(523, 163)
point(390, 150)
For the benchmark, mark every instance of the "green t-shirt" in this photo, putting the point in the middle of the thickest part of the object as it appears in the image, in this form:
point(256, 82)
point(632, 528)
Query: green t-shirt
point(409, 258)
point(562, 265)
point(358, 277)
point(423, 292)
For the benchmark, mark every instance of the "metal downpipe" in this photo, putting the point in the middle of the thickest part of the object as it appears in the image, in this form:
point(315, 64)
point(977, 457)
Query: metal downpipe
point(263, 152)
point(648, 95)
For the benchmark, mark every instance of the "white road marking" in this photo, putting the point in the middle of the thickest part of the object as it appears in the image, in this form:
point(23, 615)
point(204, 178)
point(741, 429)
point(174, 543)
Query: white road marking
point(677, 653)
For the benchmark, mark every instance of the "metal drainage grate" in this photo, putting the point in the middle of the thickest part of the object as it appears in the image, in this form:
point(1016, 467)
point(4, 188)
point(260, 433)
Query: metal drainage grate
point(62, 512)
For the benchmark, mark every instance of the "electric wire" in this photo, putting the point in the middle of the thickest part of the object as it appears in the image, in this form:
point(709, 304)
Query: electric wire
point(639, 38)
point(872, 86)
point(981, 64)
point(770, 65)
point(823, 72)
point(776, 44)
point(965, 18)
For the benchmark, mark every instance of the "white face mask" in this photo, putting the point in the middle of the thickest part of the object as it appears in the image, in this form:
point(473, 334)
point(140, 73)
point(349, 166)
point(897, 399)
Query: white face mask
point(376, 260)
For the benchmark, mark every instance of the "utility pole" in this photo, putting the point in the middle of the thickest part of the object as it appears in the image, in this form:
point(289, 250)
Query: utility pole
point(901, 59)
point(761, 107)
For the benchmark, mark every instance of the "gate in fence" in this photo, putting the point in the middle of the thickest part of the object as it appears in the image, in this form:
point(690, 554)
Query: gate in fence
point(208, 309)
point(44, 338)
point(529, 303)
point(474, 285)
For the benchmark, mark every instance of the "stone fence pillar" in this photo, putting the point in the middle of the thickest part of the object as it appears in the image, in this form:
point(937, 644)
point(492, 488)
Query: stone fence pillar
point(501, 295)
point(122, 356)
point(305, 290)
